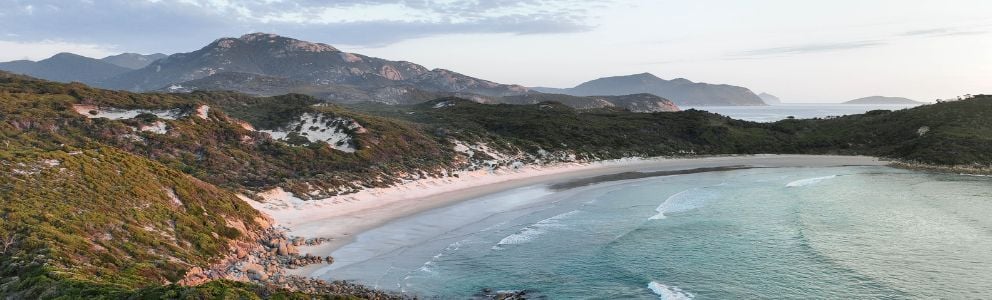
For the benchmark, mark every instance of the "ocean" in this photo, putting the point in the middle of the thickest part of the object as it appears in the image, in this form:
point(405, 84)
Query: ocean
point(774, 113)
point(784, 233)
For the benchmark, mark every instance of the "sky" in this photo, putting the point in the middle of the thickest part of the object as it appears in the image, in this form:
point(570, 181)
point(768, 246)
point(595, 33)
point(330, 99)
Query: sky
point(800, 51)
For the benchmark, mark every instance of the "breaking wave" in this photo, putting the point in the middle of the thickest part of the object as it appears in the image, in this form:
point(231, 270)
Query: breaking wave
point(528, 233)
point(665, 292)
point(684, 201)
point(809, 181)
point(428, 267)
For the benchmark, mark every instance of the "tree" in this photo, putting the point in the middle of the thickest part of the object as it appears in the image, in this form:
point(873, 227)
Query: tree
point(7, 242)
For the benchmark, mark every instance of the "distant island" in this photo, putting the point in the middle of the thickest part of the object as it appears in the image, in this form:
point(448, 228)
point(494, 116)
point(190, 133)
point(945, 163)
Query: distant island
point(883, 100)
point(682, 91)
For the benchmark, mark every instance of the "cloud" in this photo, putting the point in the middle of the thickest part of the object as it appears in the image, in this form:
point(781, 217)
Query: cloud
point(941, 32)
point(181, 25)
point(44, 49)
point(810, 48)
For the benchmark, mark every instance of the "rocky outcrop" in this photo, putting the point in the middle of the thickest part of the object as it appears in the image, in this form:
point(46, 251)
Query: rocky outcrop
point(264, 259)
point(490, 294)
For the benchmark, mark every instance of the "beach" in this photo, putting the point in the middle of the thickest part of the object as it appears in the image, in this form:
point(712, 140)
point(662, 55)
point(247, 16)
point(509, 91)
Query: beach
point(340, 218)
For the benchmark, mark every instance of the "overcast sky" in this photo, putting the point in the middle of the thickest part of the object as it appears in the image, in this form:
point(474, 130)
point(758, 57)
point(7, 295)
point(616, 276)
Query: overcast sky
point(801, 51)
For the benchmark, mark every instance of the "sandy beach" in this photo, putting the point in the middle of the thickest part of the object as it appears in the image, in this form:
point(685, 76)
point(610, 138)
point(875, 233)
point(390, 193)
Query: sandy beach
point(341, 218)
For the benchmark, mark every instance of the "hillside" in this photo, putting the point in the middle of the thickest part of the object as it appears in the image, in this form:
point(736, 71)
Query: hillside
point(633, 103)
point(681, 91)
point(882, 100)
point(90, 213)
point(949, 133)
point(133, 61)
point(263, 85)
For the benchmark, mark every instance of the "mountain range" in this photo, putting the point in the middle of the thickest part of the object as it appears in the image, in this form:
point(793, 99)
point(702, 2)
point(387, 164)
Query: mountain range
point(267, 64)
point(680, 90)
point(68, 67)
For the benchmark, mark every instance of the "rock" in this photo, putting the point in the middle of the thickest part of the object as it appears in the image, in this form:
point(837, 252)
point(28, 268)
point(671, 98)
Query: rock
point(241, 253)
point(255, 272)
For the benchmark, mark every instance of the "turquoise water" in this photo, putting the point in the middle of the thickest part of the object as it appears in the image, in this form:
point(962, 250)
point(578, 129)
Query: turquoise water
point(772, 113)
point(787, 233)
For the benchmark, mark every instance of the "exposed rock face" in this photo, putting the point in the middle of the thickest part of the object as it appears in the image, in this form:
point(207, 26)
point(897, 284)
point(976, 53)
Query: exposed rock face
point(680, 90)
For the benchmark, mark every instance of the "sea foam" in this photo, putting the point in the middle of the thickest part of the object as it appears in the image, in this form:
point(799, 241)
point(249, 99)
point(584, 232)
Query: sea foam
point(530, 232)
point(684, 201)
point(809, 181)
point(665, 292)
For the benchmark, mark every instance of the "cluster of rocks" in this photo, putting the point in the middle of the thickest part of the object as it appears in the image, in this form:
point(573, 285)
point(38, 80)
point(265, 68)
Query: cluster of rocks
point(322, 287)
point(490, 294)
point(264, 261)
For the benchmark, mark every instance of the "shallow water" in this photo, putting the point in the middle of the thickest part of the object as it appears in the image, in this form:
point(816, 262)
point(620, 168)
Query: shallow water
point(810, 233)
point(772, 113)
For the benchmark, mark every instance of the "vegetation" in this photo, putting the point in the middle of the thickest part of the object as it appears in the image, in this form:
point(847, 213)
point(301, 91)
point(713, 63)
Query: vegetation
point(949, 133)
point(592, 134)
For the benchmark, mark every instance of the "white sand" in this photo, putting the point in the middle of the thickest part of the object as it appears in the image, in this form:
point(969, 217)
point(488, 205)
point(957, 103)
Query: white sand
point(342, 217)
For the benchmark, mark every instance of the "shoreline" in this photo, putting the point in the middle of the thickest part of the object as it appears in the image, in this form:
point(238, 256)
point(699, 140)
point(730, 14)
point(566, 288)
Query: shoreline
point(342, 218)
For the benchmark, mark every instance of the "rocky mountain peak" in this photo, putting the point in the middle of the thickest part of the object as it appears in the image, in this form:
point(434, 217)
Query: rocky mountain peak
point(289, 44)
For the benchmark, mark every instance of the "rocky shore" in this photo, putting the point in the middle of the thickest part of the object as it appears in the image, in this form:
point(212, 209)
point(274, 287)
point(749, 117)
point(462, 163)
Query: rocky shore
point(490, 294)
point(952, 169)
point(263, 259)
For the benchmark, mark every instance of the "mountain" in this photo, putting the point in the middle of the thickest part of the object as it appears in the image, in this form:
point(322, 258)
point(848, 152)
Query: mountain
point(769, 99)
point(680, 90)
point(296, 61)
point(133, 60)
point(66, 67)
point(882, 100)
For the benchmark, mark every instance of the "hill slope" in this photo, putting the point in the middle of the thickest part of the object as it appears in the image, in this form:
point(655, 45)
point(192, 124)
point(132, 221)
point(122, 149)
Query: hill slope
point(949, 133)
point(133, 60)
